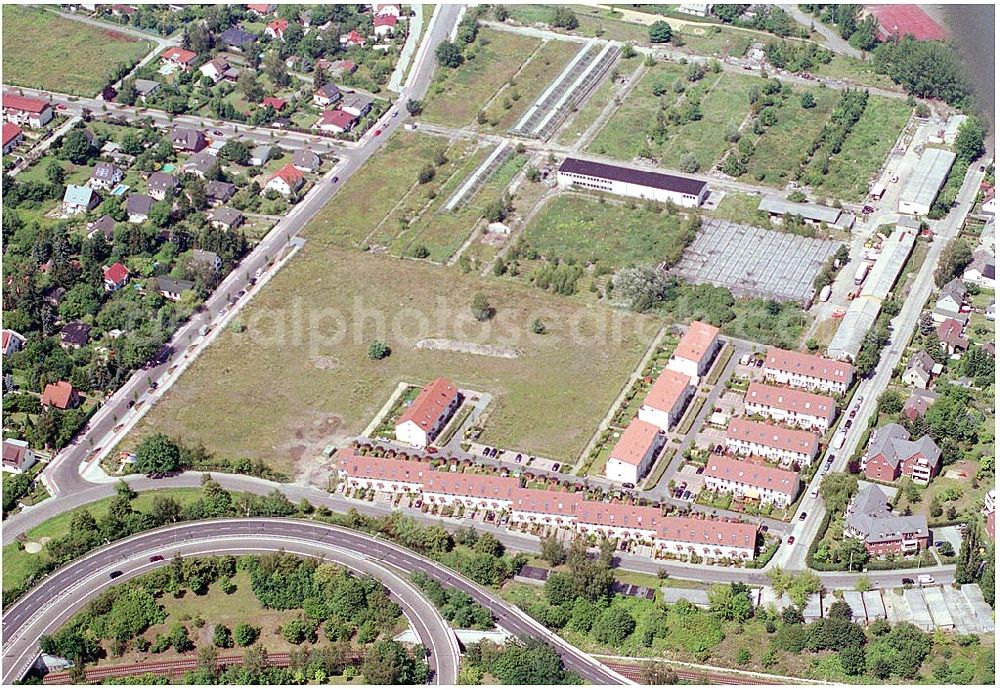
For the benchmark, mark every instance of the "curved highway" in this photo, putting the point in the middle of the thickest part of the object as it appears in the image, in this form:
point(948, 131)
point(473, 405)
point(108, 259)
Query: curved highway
point(47, 606)
point(72, 587)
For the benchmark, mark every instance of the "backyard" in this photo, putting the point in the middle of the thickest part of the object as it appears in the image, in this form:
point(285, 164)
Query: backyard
point(312, 383)
point(43, 50)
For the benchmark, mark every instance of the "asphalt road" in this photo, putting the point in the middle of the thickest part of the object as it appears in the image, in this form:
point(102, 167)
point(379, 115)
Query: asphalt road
point(63, 475)
point(48, 605)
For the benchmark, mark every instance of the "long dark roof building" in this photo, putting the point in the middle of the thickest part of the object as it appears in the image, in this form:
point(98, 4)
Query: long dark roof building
point(645, 178)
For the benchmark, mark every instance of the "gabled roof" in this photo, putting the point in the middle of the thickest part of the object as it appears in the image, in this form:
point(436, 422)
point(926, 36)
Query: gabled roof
point(10, 132)
point(708, 532)
point(278, 26)
point(58, 394)
point(668, 388)
point(601, 514)
point(869, 516)
point(78, 195)
point(236, 37)
point(922, 361)
point(277, 103)
point(75, 333)
point(105, 225)
point(24, 104)
point(635, 441)
point(387, 469)
point(304, 158)
point(385, 20)
point(105, 171)
point(645, 178)
point(189, 138)
point(179, 55)
point(547, 502)
point(950, 331)
point(219, 191)
point(139, 204)
point(174, 285)
point(202, 162)
point(808, 365)
point(771, 436)
point(955, 289)
point(224, 215)
point(751, 474)
point(161, 180)
point(429, 406)
point(116, 273)
point(893, 443)
point(290, 174)
point(487, 486)
point(698, 339)
point(790, 400)
point(337, 117)
point(328, 90)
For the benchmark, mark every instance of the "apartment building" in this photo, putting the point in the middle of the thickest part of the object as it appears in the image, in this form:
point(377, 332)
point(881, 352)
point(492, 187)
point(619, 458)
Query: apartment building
point(791, 406)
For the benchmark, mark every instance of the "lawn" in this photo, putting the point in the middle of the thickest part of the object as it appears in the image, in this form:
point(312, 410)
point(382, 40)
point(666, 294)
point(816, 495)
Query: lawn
point(457, 95)
point(575, 227)
point(312, 384)
point(19, 564)
point(865, 149)
point(580, 120)
point(43, 50)
point(780, 149)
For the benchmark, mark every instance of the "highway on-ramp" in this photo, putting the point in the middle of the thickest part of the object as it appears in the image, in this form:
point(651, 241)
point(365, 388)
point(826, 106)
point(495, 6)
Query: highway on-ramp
point(43, 609)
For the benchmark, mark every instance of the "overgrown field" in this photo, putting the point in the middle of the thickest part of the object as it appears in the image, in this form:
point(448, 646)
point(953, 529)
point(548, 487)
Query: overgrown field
point(46, 51)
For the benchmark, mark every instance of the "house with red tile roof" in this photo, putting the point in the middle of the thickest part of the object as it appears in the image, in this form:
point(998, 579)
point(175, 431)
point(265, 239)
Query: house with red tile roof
point(618, 520)
point(60, 395)
point(667, 399)
point(351, 39)
point(17, 456)
point(12, 137)
point(545, 507)
point(277, 103)
point(427, 415)
point(633, 454)
point(276, 29)
point(810, 372)
point(745, 437)
point(891, 455)
point(286, 181)
point(385, 25)
point(12, 342)
point(751, 480)
point(486, 491)
point(262, 9)
point(387, 11)
point(950, 334)
point(708, 539)
point(21, 110)
point(382, 474)
point(791, 406)
point(336, 120)
point(697, 349)
point(115, 277)
point(180, 57)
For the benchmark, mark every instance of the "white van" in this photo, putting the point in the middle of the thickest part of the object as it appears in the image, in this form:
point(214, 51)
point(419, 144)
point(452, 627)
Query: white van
point(924, 580)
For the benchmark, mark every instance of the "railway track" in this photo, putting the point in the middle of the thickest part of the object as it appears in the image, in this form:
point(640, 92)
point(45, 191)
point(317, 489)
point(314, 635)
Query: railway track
point(635, 673)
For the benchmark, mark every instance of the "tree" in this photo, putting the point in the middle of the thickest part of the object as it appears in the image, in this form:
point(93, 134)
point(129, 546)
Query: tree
point(808, 100)
point(528, 661)
point(426, 174)
point(180, 640)
point(689, 163)
point(235, 151)
point(387, 663)
point(275, 69)
point(837, 489)
point(449, 55)
point(640, 287)
point(969, 141)
point(55, 173)
point(957, 254)
point(222, 637)
point(378, 350)
point(157, 453)
point(245, 634)
point(298, 631)
point(552, 550)
point(841, 610)
point(613, 626)
point(564, 18)
point(890, 402)
point(928, 69)
point(414, 107)
point(481, 308)
point(251, 88)
point(731, 602)
point(660, 32)
point(76, 147)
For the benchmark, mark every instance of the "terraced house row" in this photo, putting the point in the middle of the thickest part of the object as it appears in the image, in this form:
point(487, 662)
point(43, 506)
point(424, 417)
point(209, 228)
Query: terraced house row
point(670, 536)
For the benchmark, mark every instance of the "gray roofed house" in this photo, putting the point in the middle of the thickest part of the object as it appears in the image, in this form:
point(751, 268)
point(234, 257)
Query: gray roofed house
point(952, 295)
point(74, 334)
point(104, 225)
point(261, 155)
point(146, 87)
point(236, 38)
point(327, 95)
point(138, 207)
point(919, 370)
point(305, 160)
point(355, 103)
point(160, 184)
point(870, 520)
point(187, 139)
point(201, 256)
point(199, 163)
point(918, 403)
point(219, 192)
point(171, 288)
point(892, 454)
point(225, 218)
point(106, 176)
point(983, 269)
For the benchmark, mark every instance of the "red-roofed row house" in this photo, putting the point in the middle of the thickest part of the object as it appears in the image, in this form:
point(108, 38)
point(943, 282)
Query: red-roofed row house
point(790, 406)
point(667, 399)
point(751, 480)
point(634, 453)
point(678, 536)
point(21, 110)
point(695, 352)
point(745, 437)
point(807, 371)
point(428, 414)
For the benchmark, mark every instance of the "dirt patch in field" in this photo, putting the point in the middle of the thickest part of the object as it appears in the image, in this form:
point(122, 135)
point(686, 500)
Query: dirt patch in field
point(468, 348)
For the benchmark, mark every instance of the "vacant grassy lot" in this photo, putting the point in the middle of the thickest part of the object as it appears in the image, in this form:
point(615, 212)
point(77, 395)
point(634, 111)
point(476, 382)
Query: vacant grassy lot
point(43, 50)
point(583, 118)
point(585, 230)
point(779, 150)
point(865, 148)
point(311, 382)
point(546, 63)
point(457, 95)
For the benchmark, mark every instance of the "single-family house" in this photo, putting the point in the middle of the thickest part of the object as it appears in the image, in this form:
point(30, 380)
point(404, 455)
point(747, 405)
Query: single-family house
point(427, 415)
point(138, 207)
point(276, 29)
point(918, 403)
point(891, 455)
point(694, 353)
point(341, 68)
point(172, 288)
point(261, 155)
point(746, 437)
point(217, 192)
point(79, 199)
point(225, 218)
point(60, 395)
point(262, 9)
point(216, 68)
point(352, 39)
point(952, 296)
point(919, 370)
point(379, 10)
point(666, 400)
point(385, 25)
point(286, 181)
point(203, 257)
point(180, 57)
point(22, 110)
point(790, 406)
point(74, 335)
point(144, 88)
point(105, 225)
point(983, 269)
point(800, 370)
point(751, 480)
point(356, 103)
point(336, 120)
point(327, 95)
point(870, 519)
point(236, 38)
point(115, 276)
point(12, 342)
point(305, 160)
point(200, 164)
point(106, 176)
point(950, 334)
point(13, 136)
point(161, 184)
point(274, 102)
point(187, 139)
point(17, 456)
point(634, 453)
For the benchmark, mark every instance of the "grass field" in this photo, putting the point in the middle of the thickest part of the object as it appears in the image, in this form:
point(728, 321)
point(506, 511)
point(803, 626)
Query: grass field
point(585, 230)
point(43, 50)
point(19, 564)
point(457, 95)
point(583, 118)
point(865, 148)
point(779, 150)
point(311, 382)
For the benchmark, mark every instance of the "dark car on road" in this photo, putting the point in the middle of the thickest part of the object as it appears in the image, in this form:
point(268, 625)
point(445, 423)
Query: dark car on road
point(155, 559)
point(115, 573)
point(802, 516)
point(908, 581)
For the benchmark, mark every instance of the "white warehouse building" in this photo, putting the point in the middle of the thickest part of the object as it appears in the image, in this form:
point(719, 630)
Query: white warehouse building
point(641, 184)
point(924, 184)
